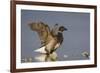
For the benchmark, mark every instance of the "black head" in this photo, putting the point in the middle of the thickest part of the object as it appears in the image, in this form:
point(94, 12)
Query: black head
point(62, 28)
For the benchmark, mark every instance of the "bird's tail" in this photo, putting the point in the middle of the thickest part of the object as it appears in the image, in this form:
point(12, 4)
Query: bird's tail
point(40, 50)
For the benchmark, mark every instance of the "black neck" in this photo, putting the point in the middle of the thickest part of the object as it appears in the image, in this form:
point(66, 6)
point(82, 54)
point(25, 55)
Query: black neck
point(60, 37)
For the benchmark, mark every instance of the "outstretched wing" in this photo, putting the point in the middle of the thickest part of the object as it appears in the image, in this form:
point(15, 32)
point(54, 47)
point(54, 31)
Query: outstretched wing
point(43, 31)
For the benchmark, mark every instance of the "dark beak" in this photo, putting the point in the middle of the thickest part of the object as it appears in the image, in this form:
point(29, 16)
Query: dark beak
point(65, 29)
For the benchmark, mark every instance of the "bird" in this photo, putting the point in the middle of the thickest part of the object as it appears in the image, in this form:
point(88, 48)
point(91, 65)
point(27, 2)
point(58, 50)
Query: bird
point(51, 38)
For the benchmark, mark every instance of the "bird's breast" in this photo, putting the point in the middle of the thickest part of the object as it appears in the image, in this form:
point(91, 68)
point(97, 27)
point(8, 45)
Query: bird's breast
point(57, 45)
point(54, 44)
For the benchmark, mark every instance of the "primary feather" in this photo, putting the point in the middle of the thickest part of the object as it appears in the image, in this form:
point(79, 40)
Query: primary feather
point(43, 31)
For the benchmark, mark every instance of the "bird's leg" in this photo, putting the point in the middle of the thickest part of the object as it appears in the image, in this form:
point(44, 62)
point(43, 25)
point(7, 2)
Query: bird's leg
point(46, 58)
point(52, 51)
point(47, 51)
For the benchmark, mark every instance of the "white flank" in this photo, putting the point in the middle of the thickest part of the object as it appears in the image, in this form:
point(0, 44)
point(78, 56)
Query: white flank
point(40, 50)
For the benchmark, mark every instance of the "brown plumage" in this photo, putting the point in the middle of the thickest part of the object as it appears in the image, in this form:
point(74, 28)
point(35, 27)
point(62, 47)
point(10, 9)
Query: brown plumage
point(51, 39)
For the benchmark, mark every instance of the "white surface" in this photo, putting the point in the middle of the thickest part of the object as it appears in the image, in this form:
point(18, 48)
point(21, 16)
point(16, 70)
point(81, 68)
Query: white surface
point(20, 65)
point(5, 37)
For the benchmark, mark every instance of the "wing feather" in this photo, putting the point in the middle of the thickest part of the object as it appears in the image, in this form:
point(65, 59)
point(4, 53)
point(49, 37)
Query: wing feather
point(43, 31)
